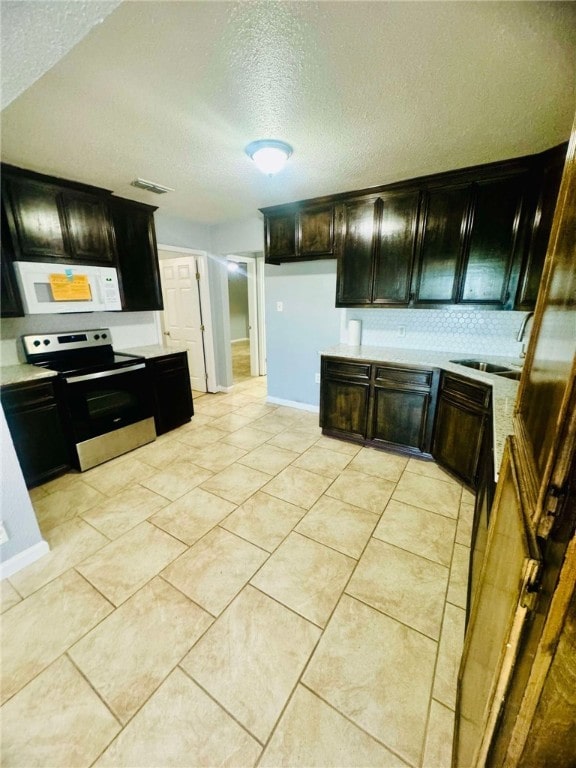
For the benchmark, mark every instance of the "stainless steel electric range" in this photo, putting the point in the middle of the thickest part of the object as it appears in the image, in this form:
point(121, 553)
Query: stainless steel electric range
point(105, 395)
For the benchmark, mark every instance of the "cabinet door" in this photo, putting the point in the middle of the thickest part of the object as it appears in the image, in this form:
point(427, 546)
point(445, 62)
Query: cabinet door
point(399, 417)
point(280, 237)
point(345, 408)
point(344, 397)
point(495, 218)
point(171, 391)
point(458, 439)
point(442, 232)
point(358, 220)
point(137, 255)
point(88, 227)
point(33, 418)
point(402, 411)
point(36, 219)
point(10, 302)
point(395, 251)
point(549, 183)
point(316, 232)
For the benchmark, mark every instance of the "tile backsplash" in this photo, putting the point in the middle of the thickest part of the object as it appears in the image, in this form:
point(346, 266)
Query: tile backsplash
point(450, 330)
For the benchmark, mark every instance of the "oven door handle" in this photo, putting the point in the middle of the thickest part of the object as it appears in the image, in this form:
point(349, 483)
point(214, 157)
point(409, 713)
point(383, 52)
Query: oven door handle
point(102, 374)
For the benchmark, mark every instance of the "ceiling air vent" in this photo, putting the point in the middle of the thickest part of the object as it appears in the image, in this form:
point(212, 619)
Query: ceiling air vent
point(151, 186)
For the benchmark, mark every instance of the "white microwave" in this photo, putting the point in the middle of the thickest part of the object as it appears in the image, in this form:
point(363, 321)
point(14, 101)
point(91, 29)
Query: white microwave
point(48, 288)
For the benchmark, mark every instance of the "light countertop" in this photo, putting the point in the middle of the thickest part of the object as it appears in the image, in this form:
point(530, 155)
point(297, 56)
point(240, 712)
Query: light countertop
point(153, 350)
point(503, 390)
point(23, 372)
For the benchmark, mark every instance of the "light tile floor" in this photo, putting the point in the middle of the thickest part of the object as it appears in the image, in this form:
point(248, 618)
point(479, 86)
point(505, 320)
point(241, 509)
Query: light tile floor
point(244, 591)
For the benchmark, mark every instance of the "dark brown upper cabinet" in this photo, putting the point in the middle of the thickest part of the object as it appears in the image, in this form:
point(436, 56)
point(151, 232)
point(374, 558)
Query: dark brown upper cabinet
point(474, 237)
point(10, 302)
point(471, 234)
point(357, 224)
point(137, 255)
point(442, 230)
point(53, 220)
point(394, 257)
point(546, 185)
point(495, 234)
point(298, 233)
point(375, 248)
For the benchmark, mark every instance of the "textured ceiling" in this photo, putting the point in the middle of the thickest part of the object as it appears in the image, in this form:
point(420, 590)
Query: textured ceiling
point(366, 93)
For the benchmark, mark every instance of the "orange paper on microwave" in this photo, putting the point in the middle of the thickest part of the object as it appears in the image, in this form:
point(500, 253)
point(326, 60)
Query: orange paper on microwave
point(70, 288)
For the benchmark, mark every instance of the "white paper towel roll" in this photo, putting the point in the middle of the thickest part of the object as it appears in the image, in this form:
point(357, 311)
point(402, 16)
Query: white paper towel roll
point(354, 332)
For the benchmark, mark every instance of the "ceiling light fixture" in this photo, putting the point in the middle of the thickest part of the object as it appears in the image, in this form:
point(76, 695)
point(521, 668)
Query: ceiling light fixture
point(150, 186)
point(269, 155)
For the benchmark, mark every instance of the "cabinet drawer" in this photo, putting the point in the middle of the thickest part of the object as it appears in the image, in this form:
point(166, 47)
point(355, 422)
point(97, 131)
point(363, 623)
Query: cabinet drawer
point(175, 362)
point(26, 396)
point(342, 369)
point(465, 390)
point(405, 378)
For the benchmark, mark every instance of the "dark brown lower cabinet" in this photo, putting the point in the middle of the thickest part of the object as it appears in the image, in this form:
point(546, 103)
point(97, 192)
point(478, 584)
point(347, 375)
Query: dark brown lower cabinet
point(381, 405)
point(461, 418)
point(171, 391)
point(33, 418)
point(403, 407)
point(344, 399)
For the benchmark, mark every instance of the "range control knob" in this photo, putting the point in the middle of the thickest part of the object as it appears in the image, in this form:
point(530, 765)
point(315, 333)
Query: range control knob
point(104, 335)
point(46, 342)
point(36, 342)
point(96, 336)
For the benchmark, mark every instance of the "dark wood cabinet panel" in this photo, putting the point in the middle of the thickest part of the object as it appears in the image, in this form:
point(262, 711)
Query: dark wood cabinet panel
point(547, 186)
point(10, 302)
point(316, 232)
point(496, 214)
point(345, 397)
point(137, 255)
point(461, 237)
point(34, 421)
point(461, 418)
point(280, 237)
point(345, 408)
point(358, 221)
point(53, 220)
point(378, 404)
point(395, 252)
point(35, 217)
point(172, 394)
point(442, 229)
point(88, 227)
point(400, 418)
point(458, 439)
point(299, 233)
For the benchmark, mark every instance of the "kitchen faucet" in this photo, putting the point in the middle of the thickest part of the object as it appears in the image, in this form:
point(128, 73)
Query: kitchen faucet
point(523, 326)
point(521, 332)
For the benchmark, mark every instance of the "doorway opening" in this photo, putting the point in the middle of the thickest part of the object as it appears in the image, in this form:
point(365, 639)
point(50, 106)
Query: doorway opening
point(245, 294)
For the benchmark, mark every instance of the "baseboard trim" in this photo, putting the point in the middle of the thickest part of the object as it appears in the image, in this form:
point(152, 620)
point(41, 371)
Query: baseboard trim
point(293, 404)
point(237, 341)
point(22, 559)
point(220, 388)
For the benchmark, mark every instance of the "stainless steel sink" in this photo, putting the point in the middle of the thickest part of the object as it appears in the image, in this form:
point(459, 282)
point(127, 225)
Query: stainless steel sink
point(515, 375)
point(480, 365)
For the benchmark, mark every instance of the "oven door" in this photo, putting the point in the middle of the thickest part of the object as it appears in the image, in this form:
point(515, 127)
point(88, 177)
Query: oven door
point(108, 413)
point(102, 402)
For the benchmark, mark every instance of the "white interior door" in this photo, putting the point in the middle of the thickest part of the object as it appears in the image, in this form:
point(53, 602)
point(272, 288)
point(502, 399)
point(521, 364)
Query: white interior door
point(182, 314)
